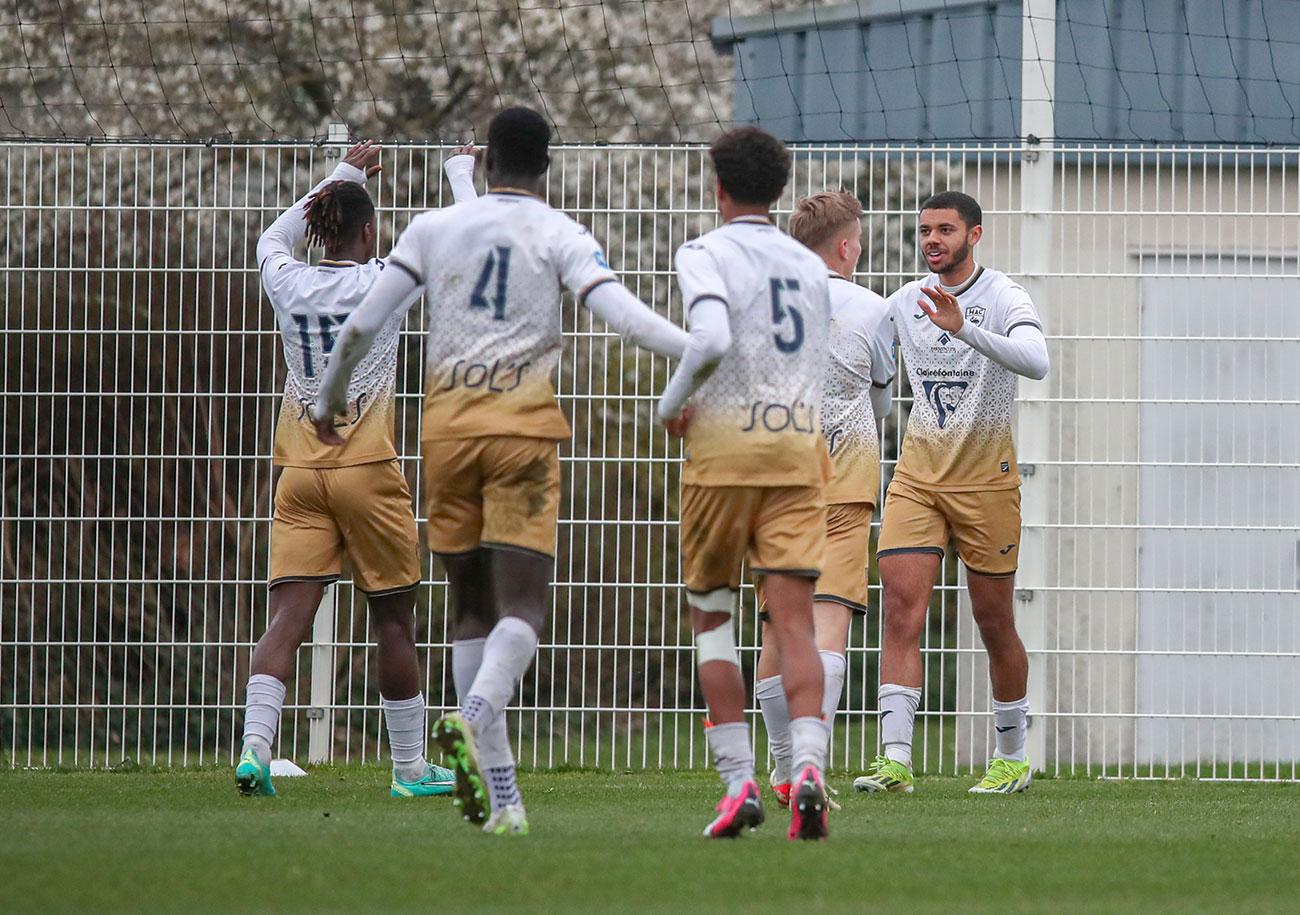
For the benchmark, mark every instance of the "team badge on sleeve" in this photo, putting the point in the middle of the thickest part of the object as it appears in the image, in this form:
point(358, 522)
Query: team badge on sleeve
point(944, 396)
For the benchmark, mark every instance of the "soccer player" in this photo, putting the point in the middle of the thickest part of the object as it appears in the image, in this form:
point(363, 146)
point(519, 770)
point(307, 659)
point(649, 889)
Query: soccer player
point(492, 272)
point(348, 497)
point(966, 333)
point(755, 464)
point(855, 396)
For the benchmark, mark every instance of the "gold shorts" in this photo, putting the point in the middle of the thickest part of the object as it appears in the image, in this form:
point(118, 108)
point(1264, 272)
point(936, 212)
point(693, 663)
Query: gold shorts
point(363, 511)
point(985, 524)
point(777, 528)
point(498, 491)
point(848, 540)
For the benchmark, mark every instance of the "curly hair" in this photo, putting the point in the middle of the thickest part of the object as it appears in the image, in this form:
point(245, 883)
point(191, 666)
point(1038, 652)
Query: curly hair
point(752, 165)
point(964, 204)
point(336, 213)
point(821, 217)
point(518, 139)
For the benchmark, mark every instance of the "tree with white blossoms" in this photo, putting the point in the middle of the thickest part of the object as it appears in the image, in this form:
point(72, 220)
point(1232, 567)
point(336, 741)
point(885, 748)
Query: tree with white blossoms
point(148, 289)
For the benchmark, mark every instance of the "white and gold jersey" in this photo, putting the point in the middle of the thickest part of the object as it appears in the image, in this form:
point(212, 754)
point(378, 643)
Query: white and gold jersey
point(493, 272)
point(757, 417)
point(959, 431)
point(861, 355)
point(310, 304)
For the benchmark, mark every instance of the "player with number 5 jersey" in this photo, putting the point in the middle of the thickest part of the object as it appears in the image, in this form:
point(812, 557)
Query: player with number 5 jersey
point(492, 272)
point(747, 398)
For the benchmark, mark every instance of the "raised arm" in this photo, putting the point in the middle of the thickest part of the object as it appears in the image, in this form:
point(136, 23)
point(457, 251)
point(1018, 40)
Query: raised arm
point(290, 227)
point(460, 172)
point(1023, 349)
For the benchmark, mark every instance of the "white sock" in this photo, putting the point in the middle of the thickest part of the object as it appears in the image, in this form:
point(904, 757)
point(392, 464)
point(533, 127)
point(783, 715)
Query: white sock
point(770, 693)
point(507, 653)
point(898, 705)
point(466, 658)
point(1010, 720)
point(405, 720)
point(498, 762)
point(733, 757)
point(808, 741)
point(833, 666)
point(265, 699)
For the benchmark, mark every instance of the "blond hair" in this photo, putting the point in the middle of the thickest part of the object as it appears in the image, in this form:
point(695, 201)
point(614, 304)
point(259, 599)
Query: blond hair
point(819, 218)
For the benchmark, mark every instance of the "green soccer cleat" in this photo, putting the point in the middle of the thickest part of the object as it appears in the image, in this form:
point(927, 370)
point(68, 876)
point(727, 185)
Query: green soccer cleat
point(252, 776)
point(456, 738)
point(435, 782)
point(886, 775)
point(510, 820)
point(1004, 776)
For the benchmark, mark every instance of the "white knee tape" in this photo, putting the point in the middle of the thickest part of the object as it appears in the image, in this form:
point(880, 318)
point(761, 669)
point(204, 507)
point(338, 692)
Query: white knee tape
point(717, 645)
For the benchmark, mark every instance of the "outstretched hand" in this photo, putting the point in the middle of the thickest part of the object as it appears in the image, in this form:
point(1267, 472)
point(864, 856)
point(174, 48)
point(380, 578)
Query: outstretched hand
point(326, 432)
point(365, 156)
point(469, 149)
point(944, 312)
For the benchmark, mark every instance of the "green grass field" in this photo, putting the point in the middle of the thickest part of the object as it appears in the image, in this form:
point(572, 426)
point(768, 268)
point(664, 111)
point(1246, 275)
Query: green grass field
point(184, 841)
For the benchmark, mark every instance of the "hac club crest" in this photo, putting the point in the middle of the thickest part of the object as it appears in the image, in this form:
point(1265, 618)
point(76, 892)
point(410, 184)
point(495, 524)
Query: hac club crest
point(944, 396)
point(975, 314)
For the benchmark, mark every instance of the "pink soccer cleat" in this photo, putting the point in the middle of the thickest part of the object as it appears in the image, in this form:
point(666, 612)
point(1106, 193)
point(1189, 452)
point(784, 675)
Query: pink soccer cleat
point(808, 807)
point(736, 813)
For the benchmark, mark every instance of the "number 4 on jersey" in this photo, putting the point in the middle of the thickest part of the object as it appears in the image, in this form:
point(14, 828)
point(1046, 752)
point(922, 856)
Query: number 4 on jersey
point(498, 262)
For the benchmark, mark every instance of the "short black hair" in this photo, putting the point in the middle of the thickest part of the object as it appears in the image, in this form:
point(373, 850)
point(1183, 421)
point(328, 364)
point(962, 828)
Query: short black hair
point(518, 139)
point(752, 165)
point(964, 204)
point(336, 213)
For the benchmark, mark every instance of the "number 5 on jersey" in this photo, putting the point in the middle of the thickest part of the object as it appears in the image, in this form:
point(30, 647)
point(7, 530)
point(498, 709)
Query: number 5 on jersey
point(498, 263)
point(780, 312)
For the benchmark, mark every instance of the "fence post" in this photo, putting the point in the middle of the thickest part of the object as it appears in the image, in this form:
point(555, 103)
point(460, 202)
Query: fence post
point(1033, 426)
point(320, 715)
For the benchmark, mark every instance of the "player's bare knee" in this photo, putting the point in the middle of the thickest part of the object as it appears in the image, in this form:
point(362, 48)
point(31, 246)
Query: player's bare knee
point(904, 614)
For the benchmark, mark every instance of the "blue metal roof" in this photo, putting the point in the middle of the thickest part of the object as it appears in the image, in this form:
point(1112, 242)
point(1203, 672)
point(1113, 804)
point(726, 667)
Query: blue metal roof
point(1221, 71)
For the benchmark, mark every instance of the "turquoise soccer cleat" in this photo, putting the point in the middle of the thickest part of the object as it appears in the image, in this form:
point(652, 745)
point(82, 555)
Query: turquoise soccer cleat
point(436, 782)
point(252, 776)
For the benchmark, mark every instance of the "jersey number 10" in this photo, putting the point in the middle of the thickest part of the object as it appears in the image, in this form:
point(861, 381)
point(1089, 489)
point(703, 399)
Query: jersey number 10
point(498, 262)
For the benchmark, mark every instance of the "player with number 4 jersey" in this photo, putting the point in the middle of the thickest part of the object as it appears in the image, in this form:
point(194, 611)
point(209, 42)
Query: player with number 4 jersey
point(347, 498)
point(493, 272)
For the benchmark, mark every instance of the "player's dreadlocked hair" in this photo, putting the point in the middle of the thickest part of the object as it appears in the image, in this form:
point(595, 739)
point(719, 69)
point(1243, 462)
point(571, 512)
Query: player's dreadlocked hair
point(337, 212)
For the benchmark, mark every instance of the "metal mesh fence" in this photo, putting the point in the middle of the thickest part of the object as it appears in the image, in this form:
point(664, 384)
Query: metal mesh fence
point(1161, 559)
